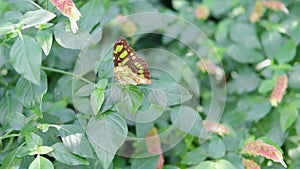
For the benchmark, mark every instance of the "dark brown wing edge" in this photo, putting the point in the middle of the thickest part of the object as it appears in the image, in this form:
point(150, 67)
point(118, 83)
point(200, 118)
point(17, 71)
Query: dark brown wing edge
point(130, 63)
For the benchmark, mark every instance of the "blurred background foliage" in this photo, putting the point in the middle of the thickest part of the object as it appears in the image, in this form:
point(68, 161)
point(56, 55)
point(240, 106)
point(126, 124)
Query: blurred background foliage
point(236, 63)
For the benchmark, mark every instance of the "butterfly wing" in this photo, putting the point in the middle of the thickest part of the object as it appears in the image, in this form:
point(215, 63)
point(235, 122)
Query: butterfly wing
point(125, 56)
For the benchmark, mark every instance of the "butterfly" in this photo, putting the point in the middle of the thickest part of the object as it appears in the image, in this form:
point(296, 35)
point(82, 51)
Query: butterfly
point(129, 68)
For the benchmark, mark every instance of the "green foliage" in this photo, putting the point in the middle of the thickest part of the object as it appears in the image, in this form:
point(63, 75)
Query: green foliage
point(61, 107)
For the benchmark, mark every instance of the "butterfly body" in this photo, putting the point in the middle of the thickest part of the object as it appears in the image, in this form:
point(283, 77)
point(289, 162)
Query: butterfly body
point(129, 68)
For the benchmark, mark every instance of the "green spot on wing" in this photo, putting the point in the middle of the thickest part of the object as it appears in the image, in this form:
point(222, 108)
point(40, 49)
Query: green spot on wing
point(118, 48)
point(123, 54)
point(125, 61)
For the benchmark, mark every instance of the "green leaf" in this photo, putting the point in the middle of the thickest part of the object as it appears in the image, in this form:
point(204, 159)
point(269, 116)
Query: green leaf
point(33, 140)
point(43, 127)
point(243, 54)
point(245, 81)
point(91, 12)
point(30, 127)
point(224, 164)
point(128, 99)
point(244, 34)
point(9, 104)
point(45, 39)
point(218, 8)
point(295, 34)
point(103, 156)
point(223, 30)
point(286, 52)
point(271, 41)
point(33, 18)
point(220, 164)
point(174, 92)
point(294, 78)
point(75, 140)
point(26, 58)
point(85, 90)
point(44, 149)
point(11, 161)
point(30, 95)
point(144, 163)
point(62, 155)
point(41, 163)
point(194, 157)
point(65, 114)
point(256, 107)
point(288, 115)
point(63, 88)
point(97, 98)
point(102, 84)
point(216, 148)
point(16, 120)
point(6, 27)
point(69, 40)
point(187, 120)
point(266, 86)
point(107, 135)
point(206, 165)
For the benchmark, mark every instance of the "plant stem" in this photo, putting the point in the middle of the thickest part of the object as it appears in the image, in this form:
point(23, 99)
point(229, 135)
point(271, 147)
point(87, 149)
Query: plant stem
point(3, 81)
point(9, 136)
point(67, 73)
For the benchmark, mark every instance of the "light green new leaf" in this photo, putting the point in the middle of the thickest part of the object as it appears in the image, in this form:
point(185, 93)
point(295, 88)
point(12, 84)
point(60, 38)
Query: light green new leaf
point(45, 39)
point(44, 149)
point(41, 163)
point(97, 98)
point(62, 155)
point(37, 17)
point(102, 84)
point(30, 95)
point(26, 58)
